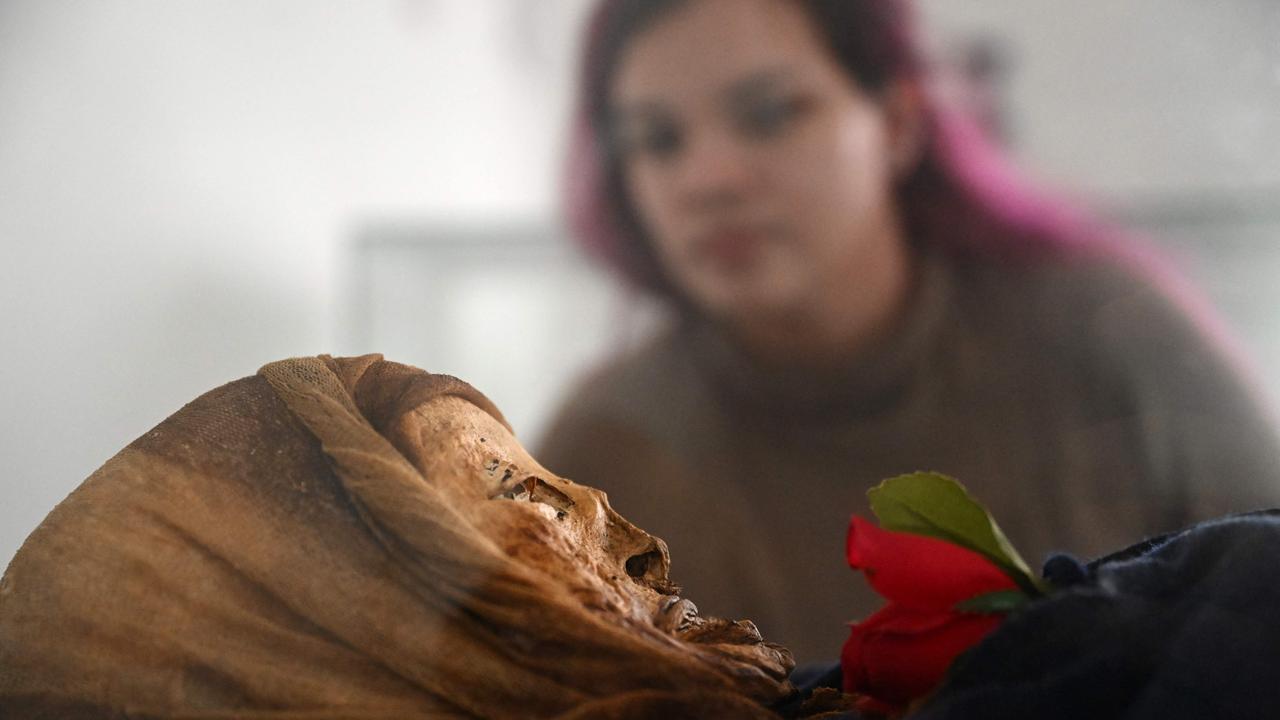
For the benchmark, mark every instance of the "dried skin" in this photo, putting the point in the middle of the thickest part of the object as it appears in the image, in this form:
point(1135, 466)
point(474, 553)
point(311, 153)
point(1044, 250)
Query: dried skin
point(569, 532)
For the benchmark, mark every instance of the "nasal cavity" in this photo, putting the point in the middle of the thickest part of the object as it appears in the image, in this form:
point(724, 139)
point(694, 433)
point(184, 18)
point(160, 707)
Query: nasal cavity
point(639, 565)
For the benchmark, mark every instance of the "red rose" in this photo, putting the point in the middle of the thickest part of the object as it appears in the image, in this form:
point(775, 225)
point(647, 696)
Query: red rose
point(902, 651)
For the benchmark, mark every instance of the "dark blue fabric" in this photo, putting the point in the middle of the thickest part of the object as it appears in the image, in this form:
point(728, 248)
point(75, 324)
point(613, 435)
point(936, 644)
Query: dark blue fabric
point(1184, 626)
point(1064, 570)
point(808, 678)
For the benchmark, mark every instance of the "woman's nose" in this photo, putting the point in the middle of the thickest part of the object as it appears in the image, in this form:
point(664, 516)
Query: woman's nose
point(714, 169)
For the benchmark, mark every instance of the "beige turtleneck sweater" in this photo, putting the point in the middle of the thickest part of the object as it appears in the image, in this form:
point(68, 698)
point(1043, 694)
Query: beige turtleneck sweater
point(1076, 399)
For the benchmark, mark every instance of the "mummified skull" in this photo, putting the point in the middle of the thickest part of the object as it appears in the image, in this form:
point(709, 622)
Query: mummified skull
point(568, 532)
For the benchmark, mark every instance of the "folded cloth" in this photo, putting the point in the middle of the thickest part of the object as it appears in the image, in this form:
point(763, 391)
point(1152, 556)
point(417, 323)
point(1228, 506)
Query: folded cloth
point(283, 547)
point(1184, 626)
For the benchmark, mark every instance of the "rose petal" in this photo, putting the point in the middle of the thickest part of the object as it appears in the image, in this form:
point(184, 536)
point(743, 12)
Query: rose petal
point(921, 572)
point(899, 654)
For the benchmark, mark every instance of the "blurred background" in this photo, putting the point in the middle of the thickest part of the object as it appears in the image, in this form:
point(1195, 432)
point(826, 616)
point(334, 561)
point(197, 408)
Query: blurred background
point(190, 189)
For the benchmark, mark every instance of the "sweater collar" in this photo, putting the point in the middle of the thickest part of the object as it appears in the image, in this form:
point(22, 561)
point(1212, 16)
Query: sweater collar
point(873, 380)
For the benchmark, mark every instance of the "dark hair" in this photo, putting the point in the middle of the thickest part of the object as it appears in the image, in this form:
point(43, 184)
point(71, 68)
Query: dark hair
point(962, 197)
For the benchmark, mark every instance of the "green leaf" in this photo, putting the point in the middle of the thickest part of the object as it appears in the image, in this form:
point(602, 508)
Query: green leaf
point(999, 602)
point(938, 506)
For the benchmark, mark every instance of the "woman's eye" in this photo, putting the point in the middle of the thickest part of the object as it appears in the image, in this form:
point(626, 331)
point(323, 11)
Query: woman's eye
point(656, 140)
point(766, 118)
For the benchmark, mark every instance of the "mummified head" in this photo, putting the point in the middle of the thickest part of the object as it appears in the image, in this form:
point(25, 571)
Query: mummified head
point(575, 593)
point(350, 537)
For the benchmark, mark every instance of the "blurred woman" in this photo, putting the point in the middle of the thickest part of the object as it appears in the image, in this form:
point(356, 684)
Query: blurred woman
point(860, 289)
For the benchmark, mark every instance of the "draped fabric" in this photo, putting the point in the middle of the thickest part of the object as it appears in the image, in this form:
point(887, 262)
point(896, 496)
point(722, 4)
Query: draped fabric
point(1185, 626)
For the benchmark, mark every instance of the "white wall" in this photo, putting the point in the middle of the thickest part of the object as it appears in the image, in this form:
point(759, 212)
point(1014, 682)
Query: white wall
point(1167, 113)
point(178, 177)
point(1137, 97)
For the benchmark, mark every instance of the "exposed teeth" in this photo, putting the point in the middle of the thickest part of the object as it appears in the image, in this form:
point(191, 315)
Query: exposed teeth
point(688, 614)
point(675, 614)
point(750, 631)
point(717, 631)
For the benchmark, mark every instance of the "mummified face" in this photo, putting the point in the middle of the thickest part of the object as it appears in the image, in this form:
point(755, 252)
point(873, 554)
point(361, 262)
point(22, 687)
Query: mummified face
point(570, 532)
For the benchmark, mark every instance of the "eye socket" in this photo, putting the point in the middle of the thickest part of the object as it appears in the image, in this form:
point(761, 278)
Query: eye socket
point(536, 490)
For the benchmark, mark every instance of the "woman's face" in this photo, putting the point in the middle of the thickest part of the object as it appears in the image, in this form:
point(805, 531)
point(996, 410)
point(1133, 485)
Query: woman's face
point(761, 172)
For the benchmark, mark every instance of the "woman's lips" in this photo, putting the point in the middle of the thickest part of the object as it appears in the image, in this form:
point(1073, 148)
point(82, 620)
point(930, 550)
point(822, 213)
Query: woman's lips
point(731, 248)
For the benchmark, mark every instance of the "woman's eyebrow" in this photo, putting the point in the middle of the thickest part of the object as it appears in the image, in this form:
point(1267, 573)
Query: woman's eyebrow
point(637, 110)
point(757, 82)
